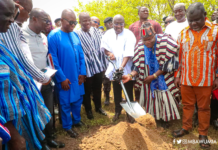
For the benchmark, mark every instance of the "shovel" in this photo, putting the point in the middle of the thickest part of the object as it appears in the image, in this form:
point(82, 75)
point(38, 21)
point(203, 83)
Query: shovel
point(132, 108)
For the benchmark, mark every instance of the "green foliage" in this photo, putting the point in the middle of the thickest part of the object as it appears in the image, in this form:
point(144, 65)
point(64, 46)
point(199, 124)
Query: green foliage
point(128, 8)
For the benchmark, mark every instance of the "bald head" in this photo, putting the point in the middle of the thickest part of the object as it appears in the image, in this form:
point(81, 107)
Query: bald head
point(7, 9)
point(95, 22)
point(68, 20)
point(83, 14)
point(118, 18)
point(38, 12)
point(196, 16)
point(118, 22)
point(195, 6)
point(168, 20)
point(67, 12)
point(24, 13)
point(179, 5)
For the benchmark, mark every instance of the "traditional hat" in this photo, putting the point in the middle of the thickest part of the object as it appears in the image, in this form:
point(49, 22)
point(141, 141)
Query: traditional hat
point(147, 29)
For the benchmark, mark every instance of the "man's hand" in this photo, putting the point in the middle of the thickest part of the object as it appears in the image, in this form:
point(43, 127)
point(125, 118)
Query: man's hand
point(215, 84)
point(17, 142)
point(112, 57)
point(47, 82)
point(0, 143)
point(65, 85)
point(177, 82)
point(126, 78)
point(81, 79)
point(148, 79)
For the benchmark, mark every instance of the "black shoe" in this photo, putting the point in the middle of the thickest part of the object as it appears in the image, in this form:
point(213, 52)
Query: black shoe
point(45, 147)
point(215, 124)
point(101, 111)
point(54, 144)
point(72, 133)
point(89, 115)
point(80, 124)
point(106, 103)
point(116, 117)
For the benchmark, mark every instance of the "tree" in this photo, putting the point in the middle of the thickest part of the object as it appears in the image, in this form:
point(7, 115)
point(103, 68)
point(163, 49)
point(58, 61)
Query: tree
point(128, 8)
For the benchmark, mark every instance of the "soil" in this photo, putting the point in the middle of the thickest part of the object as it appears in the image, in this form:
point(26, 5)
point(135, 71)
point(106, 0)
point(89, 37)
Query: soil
point(141, 135)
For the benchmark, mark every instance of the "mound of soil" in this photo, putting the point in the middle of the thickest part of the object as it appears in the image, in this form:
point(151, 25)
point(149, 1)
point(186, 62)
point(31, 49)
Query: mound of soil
point(125, 136)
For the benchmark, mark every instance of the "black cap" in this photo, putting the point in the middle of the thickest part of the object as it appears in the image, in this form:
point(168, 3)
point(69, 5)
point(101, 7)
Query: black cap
point(164, 18)
point(58, 19)
point(108, 19)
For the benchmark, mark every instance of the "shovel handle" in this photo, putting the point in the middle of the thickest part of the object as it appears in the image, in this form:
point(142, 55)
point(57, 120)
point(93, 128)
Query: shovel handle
point(127, 97)
point(121, 82)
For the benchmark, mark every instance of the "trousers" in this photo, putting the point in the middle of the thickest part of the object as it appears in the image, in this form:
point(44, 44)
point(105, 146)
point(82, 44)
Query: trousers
point(201, 95)
point(47, 94)
point(118, 94)
point(74, 108)
point(93, 84)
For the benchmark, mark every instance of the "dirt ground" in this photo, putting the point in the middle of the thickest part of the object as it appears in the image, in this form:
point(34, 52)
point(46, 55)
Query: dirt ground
point(102, 126)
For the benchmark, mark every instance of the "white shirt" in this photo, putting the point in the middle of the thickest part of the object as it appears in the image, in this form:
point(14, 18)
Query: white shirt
point(175, 28)
point(38, 46)
point(121, 45)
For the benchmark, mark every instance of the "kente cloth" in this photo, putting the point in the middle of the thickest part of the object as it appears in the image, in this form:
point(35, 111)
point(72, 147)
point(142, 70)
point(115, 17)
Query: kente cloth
point(153, 65)
point(4, 132)
point(162, 105)
point(198, 54)
point(21, 102)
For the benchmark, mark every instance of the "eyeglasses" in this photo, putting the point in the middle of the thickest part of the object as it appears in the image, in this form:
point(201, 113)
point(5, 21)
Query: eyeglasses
point(71, 22)
point(118, 24)
point(96, 22)
point(168, 21)
point(47, 21)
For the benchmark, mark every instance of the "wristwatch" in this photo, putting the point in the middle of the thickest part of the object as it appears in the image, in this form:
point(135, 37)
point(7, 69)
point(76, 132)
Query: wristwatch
point(130, 76)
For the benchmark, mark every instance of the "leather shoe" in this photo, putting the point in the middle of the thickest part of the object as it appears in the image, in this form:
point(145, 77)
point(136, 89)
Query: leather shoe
point(45, 146)
point(54, 144)
point(116, 117)
point(89, 115)
point(72, 133)
point(80, 124)
point(101, 111)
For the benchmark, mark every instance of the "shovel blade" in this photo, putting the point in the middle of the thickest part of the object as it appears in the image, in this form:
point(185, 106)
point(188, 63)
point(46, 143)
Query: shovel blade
point(135, 111)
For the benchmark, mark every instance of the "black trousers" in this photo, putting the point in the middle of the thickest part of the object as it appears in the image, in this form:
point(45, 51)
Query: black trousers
point(93, 84)
point(214, 110)
point(47, 94)
point(107, 85)
point(118, 94)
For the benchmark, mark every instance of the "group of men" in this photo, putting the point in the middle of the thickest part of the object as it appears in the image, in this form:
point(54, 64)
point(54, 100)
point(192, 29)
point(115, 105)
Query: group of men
point(159, 67)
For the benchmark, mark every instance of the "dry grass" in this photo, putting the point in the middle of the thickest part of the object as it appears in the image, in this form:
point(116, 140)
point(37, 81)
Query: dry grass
point(92, 126)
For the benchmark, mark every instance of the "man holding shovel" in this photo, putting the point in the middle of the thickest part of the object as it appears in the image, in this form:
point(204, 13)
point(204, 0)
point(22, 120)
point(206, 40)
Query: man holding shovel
point(155, 60)
point(118, 43)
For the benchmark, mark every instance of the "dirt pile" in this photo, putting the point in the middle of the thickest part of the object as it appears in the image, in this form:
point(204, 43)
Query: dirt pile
point(125, 136)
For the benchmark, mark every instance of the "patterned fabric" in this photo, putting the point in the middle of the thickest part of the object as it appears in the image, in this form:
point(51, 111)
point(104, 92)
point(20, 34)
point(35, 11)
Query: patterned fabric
point(4, 133)
point(94, 57)
point(13, 39)
point(21, 101)
point(163, 104)
point(153, 65)
point(198, 55)
point(135, 28)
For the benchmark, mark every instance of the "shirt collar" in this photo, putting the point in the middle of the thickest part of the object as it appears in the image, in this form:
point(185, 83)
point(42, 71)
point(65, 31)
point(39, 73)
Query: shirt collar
point(28, 30)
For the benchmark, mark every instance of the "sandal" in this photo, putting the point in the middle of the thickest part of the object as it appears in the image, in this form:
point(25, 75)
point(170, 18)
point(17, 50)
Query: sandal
point(203, 142)
point(179, 133)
